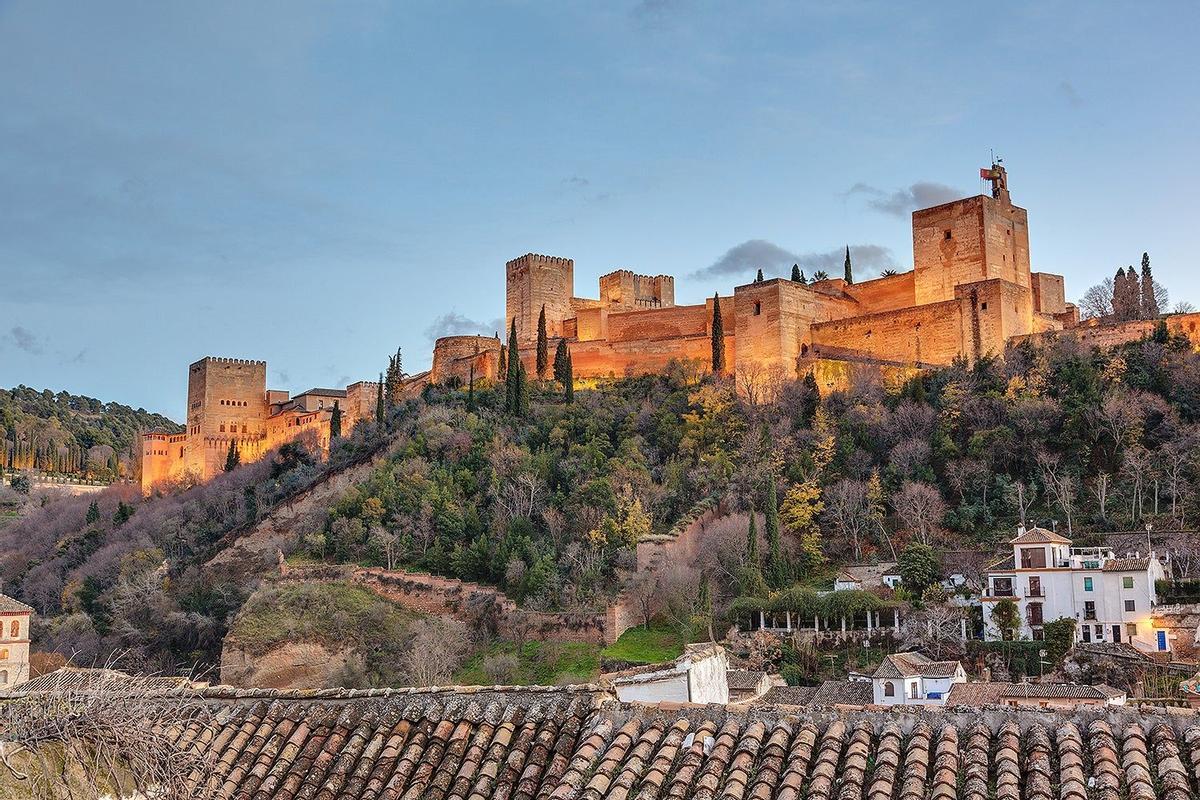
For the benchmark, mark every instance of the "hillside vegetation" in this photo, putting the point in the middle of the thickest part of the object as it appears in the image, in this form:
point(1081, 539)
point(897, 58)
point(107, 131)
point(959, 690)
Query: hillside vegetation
point(72, 434)
point(548, 500)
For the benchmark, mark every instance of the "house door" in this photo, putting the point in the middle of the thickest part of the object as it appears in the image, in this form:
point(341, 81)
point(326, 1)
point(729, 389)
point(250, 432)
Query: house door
point(1117, 633)
point(1087, 633)
point(1162, 640)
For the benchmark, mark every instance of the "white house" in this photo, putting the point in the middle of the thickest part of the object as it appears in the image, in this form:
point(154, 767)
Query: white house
point(697, 676)
point(914, 679)
point(1110, 597)
point(14, 642)
point(846, 580)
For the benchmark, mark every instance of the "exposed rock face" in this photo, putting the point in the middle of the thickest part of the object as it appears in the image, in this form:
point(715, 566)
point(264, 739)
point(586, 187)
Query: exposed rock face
point(293, 665)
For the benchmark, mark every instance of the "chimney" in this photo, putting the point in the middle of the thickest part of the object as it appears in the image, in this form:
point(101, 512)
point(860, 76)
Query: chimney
point(1021, 529)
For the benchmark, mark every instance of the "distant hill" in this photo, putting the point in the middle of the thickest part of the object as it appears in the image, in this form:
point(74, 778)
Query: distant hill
point(72, 434)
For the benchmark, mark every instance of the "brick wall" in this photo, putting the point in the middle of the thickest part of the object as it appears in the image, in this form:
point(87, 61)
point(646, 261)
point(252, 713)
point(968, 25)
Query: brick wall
point(453, 357)
point(884, 294)
point(1105, 335)
point(929, 334)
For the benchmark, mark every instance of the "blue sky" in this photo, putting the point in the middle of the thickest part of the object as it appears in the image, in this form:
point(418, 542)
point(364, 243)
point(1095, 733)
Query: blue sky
point(315, 183)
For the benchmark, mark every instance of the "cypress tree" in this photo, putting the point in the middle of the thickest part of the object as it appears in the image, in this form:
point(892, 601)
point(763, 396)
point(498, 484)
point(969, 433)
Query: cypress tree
point(718, 338)
point(752, 541)
point(569, 380)
point(1150, 309)
point(395, 380)
point(543, 346)
point(522, 391)
point(471, 388)
point(797, 275)
point(380, 411)
point(513, 375)
point(849, 269)
point(502, 364)
point(233, 457)
point(777, 570)
point(561, 354)
point(759, 277)
point(335, 422)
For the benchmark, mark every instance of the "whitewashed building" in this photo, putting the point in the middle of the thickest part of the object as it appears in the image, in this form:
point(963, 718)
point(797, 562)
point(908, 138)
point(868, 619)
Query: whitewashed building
point(14, 642)
point(697, 676)
point(1110, 597)
point(914, 679)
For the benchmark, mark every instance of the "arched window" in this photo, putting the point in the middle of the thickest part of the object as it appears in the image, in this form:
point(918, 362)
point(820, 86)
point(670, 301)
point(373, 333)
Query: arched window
point(14, 629)
point(3, 677)
point(889, 689)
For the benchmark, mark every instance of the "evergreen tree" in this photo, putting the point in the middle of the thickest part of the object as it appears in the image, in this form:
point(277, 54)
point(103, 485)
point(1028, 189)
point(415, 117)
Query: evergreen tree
point(1161, 334)
point(335, 422)
point(513, 374)
point(522, 391)
point(718, 338)
point(543, 346)
point(797, 275)
point(752, 541)
point(502, 363)
point(380, 410)
point(1150, 309)
point(569, 382)
point(250, 494)
point(561, 354)
point(471, 387)
point(849, 269)
point(395, 380)
point(233, 457)
point(777, 568)
point(93, 513)
point(759, 277)
point(812, 398)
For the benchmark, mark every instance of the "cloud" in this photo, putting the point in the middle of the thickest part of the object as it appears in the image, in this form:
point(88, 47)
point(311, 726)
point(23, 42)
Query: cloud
point(577, 182)
point(775, 261)
point(26, 340)
point(653, 14)
point(902, 202)
point(1066, 90)
point(453, 324)
point(282, 376)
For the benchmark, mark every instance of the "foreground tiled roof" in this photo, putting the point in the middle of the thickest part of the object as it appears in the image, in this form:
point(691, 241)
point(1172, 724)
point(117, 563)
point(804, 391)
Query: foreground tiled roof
point(573, 744)
point(78, 679)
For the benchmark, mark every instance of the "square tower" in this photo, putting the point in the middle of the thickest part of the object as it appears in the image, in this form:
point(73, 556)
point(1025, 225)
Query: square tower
point(227, 400)
point(974, 239)
point(533, 281)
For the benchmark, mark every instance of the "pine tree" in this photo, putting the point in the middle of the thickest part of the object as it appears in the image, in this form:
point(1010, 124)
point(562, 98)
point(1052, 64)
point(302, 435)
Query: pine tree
point(93, 513)
point(752, 541)
point(335, 422)
point(777, 568)
point(561, 353)
point(849, 269)
point(718, 338)
point(759, 278)
point(513, 374)
point(380, 410)
point(569, 381)
point(233, 457)
point(1150, 309)
point(543, 346)
point(797, 275)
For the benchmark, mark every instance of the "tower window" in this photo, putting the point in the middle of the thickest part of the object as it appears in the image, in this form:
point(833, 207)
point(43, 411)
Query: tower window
point(946, 234)
point(983, 305)
point(757, 308)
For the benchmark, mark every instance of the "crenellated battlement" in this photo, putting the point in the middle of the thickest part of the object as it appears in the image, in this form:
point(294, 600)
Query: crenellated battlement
point(540, 258)
point(632, 274)
point(232, 361)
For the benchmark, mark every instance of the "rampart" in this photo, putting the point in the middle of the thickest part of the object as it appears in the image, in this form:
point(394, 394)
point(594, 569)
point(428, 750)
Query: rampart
point(919, 335)
point(455, 356)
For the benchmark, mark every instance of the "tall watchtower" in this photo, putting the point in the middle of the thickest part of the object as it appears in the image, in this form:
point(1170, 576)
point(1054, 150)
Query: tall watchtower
point(532, 281)
point(974, 239)
point(227, 401)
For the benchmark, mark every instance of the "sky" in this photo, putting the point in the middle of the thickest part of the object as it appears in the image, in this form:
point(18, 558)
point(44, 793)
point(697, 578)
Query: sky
point(318, 183)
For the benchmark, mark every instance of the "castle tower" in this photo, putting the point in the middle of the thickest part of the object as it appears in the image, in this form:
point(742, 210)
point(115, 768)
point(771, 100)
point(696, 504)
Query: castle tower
point(532, 281)
point(227, 400)
point(974, 239)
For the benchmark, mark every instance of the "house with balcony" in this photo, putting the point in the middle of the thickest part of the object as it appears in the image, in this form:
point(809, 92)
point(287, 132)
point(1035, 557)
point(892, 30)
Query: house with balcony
point(1111, 597)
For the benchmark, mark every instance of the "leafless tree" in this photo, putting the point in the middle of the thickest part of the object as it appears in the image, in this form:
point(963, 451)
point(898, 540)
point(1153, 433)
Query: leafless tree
point(678, 592)
point(386, 539)
point(849, 513)
point(921, 507)
point(1097, 301)
point(104, 737)
point(1121, 415)
point(1138, 468)
point(644, 590)
point(522, 496)
point(1026, 496)
point(436, 650)
point(936, 629)
point(1178, 458)
point(1061, 483)
point(1100, 489)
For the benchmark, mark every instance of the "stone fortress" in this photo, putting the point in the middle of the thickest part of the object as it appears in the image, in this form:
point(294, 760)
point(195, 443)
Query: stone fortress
point(228, 401)
point(971, 292)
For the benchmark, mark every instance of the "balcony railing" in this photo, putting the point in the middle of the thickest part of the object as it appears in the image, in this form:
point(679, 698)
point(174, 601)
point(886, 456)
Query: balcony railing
point(1000, 591)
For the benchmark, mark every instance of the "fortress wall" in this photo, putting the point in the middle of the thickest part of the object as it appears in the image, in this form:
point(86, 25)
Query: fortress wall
point(774, 319)
point(992, 313)
point(591, 324)
point(453, 356)
point(885, 294)
point(625, 290)
point(659, 323)
point(1006, 236)
point(227, 397)
point(1049, 293)
point(162, 458)
point(939, 264)
point(840, 374)
point(601, 359)
point(929, 334)
point(1111, 334)
point(360, 404)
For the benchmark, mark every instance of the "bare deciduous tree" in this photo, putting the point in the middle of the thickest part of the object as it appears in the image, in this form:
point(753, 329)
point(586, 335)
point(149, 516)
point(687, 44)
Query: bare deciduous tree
point(104, 736)
point(936, 629)
point(849, 513)
point(1061, 483)
point(921, 507)
point(437, 649)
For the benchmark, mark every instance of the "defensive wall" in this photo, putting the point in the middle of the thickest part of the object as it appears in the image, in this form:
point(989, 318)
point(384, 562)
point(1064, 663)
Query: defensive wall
point(1104, 335)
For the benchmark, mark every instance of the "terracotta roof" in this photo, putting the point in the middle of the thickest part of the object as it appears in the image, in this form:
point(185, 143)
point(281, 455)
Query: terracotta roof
point(902, 665)
point(996, 692)
point(743, 679)
point(1126, 565)
point(79, 679)
point(787, 696)
point(558, 744)
point(1039, 536)
point(975, 693)
point(11, 605)
point(324, 392)
point(842, 693)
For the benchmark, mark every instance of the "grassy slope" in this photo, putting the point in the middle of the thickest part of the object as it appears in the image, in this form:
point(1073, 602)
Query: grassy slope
point(540, 663)
point(647, 645)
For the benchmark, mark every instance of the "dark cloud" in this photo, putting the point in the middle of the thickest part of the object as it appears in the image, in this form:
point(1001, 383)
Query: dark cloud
point(903, 202)
point(454, 324)
point(748, 257)
point(1066, 90)
point(25, 339)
